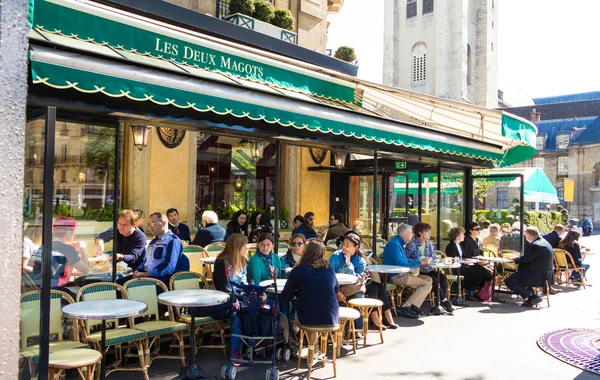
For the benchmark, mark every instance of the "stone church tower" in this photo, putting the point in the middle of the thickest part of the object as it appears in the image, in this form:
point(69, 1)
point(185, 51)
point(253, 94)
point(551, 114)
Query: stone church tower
point(445, 48)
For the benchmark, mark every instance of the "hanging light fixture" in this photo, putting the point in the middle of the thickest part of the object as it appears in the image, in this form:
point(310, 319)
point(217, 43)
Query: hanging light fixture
point(258, 149)
point(238, 183)
point(140, 135)
point(340, 159)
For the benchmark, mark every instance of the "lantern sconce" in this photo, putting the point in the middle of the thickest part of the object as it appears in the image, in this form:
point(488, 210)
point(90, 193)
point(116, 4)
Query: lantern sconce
point(258, 149)
point(141, 133)
point(340, 159)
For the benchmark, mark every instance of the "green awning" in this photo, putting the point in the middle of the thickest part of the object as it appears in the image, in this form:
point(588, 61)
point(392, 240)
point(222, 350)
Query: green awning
point(63, 70)
point(96, 25)
point(538, 187)
point(518, 129)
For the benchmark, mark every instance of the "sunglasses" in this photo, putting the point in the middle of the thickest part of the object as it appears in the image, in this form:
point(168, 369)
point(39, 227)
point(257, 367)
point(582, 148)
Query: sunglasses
point(476, 229)
point(297, 244)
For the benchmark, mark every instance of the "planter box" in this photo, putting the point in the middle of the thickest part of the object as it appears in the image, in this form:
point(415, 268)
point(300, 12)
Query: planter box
point(262, 27)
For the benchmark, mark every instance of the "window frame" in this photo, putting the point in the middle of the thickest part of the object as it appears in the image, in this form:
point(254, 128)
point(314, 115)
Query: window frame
point(539, 159)
point(543, 137)
point(562, 170)
point(504, 205)
point(411, 9)
point(428, 7)
point(558, 136)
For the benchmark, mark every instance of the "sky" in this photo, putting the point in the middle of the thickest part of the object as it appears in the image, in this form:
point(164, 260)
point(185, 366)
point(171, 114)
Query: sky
point(546, 47)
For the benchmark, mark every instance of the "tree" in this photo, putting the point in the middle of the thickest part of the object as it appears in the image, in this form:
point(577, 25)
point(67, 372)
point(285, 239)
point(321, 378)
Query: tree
point(264, 11)
point(283, 18)
point(100, 156)
point(245, 7)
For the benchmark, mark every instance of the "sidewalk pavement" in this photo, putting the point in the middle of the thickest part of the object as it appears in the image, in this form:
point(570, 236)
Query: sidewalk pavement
point(481, 342)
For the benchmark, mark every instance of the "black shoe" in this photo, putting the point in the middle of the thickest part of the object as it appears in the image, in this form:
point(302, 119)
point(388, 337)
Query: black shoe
point(408, 312)
point(391, 326)
point(532, 301)
point(373, 326)
point(447, 306)
point(418, 311)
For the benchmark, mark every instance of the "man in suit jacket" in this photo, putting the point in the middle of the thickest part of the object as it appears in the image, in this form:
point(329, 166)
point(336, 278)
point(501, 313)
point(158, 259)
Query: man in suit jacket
point(554, 237)
point(535, 267)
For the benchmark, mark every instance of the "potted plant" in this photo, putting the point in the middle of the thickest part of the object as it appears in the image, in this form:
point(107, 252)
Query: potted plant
point(262, 17)
point(263, 11)
point(345, 53)
point(283, 18)
point(284, 217)
point(245, 7)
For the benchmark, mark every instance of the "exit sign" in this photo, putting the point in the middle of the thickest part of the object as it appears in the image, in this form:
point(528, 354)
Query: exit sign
point(400, 165)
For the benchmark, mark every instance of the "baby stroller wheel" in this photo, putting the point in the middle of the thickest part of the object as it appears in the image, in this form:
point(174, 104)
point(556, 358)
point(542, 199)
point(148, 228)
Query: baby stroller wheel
point(228, 372)
point(287, 353)
point(278, 354)
point(272, 375)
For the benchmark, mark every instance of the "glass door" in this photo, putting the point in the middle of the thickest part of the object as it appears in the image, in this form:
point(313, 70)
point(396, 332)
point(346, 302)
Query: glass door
point(399, 202)
point(451, 208)
point(361, 203)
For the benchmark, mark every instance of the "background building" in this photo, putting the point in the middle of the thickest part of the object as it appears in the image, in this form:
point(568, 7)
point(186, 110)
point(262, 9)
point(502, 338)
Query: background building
point(445, 48)
point(568, 144)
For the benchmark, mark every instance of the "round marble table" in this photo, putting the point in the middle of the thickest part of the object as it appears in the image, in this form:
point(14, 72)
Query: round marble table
point(104, 310)
point(192, 299)
point(343, 279)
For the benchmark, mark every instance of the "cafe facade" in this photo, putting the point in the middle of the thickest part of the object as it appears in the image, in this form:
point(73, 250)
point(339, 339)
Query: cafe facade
point(128, 110)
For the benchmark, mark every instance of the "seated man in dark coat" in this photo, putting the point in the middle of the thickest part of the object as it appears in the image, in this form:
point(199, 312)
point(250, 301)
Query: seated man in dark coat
point(554, 237)
point(212, 232)
point(535, 268)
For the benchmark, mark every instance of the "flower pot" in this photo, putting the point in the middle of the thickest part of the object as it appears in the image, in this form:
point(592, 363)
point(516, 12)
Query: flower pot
point(262, 27)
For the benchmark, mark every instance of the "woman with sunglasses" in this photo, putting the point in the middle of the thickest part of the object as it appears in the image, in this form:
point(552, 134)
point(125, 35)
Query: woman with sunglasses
point(308, 227)
point(475, 275)
point(294, 253)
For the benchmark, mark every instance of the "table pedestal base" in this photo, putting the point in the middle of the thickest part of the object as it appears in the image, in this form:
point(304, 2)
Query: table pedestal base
point(192, 371)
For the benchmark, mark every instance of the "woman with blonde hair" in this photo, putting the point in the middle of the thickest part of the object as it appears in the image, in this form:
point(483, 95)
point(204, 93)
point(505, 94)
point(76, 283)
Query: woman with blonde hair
point(357, 226)
point(314, 285)
point(231, 264)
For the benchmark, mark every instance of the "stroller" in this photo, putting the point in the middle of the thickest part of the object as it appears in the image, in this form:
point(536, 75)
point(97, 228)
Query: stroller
point(259, 326)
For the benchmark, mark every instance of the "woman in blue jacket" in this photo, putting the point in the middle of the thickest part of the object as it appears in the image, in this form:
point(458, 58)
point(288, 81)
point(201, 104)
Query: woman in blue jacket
point(308, 227)
point(349, 259)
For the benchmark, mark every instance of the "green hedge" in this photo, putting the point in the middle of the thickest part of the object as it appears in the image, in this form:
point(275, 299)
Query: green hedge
point(543, 220)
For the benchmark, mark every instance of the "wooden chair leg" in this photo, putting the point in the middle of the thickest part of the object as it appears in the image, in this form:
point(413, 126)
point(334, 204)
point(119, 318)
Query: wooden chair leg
point(353, 336)
point(548, 293)
point(300, 347)
point(380, 326)
point(51, 373)
point(334, 355)
point(365, 313)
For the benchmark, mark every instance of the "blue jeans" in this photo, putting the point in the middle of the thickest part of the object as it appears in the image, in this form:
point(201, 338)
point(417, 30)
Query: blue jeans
point(576, 275)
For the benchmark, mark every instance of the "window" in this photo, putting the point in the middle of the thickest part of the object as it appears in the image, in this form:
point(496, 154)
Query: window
point(411, 8)
point(562, 141)
point(563, 166)
point(419, 62)
point(538, 162)
point(63, 176)
point(540, 141)
point(502, 198)
point(427, 6)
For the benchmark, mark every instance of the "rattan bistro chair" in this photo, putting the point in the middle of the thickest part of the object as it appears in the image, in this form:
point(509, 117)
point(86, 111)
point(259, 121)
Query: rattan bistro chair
point(30, 327)
point(61, 361)
point(192, 280)
point(214, 249)
point(565, 265)
point(144, 290)
point(115, 335)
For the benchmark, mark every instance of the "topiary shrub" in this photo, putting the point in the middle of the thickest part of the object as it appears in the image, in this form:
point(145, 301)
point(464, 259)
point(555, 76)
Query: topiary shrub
point(283, 18)
point(264, 11)
point(345, 53)
point(245, 7)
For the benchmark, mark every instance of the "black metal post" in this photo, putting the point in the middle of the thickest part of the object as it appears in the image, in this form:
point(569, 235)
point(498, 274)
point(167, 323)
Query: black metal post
point(218, 15)
point(48, 194)
point(117, 200)
point(375, 203)
point(468, 204)
point(439, 208)
point(522, 212)
point(277, 191)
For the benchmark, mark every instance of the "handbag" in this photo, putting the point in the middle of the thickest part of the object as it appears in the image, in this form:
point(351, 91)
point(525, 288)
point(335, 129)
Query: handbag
point(350, 290)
